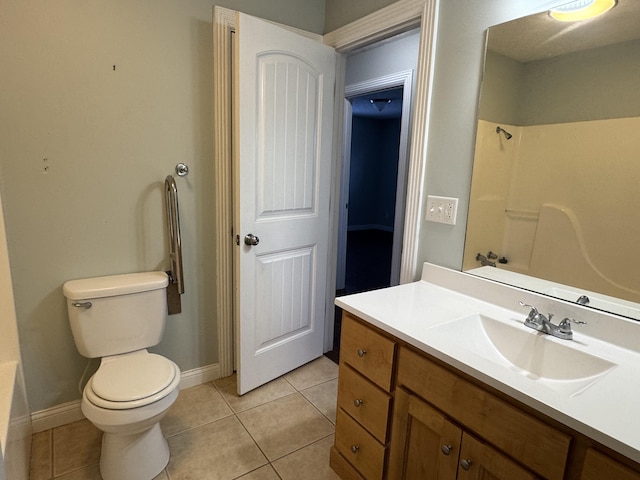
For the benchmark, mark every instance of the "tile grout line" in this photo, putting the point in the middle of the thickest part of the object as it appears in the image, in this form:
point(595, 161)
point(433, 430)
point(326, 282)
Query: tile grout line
point(296, 390)
point(235, 414)
point(51, 434)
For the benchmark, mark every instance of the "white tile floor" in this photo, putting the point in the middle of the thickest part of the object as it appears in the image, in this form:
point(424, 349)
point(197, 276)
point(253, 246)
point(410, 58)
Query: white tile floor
point(282, 430)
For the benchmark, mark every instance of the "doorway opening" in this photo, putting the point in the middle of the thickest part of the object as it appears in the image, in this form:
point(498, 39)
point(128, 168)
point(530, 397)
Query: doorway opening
point(376, 120)
point(370, 177)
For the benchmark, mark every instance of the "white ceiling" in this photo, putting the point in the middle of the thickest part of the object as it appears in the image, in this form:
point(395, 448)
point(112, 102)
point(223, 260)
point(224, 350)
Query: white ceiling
point(539, 36)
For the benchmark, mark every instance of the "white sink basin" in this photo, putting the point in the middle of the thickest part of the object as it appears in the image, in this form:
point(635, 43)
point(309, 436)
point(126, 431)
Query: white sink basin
point(539, 357)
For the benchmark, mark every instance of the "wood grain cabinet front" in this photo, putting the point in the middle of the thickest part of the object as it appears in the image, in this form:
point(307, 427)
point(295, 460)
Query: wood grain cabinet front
point(598, 466)
point(364, 402)
point(365, 381)
point(402, 414)
point(367, 351)
point(534, 444)
point(359, 447)
point(428, 445)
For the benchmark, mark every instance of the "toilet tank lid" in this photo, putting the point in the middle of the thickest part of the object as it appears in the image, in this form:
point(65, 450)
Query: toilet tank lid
point(112, 285)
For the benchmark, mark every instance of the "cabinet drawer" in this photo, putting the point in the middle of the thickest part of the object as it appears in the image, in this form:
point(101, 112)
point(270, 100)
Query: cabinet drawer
point(368, 352)
point(598, 466)
point(364, 401)
point(535, 444)
point(360, 449)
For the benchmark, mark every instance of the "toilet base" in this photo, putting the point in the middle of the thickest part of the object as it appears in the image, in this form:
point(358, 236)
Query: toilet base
point(137, 456)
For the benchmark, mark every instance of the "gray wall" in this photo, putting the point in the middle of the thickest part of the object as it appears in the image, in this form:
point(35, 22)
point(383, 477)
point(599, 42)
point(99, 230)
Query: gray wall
point(451, 134)
point(595, 84)
point(396, 55)
point(304, 14)
point(84, 149)
point(341, 12)
point(500, 97)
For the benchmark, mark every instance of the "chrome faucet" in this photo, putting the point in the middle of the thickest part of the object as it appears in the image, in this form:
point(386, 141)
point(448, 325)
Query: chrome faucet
point(540, 323)
point(484, 261)
point(583, 300)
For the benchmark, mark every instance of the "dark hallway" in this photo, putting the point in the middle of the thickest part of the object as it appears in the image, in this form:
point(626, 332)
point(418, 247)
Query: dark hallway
point(368, 268)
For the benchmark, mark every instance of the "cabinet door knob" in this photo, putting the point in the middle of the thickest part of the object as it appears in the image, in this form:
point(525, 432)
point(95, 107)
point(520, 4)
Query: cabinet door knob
point(465, 463)
point(446, 449)
point(355, 448)
point(357, 402)
point(361, 352)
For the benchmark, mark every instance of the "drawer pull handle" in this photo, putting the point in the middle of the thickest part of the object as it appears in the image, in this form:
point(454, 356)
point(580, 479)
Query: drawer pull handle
point(361, 352)
point(357, 402)
point(355, 448)
point(446, 449)
point(465, 463)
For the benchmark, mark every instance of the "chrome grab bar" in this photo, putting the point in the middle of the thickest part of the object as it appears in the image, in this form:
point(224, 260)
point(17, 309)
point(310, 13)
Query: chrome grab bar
point(173, 225)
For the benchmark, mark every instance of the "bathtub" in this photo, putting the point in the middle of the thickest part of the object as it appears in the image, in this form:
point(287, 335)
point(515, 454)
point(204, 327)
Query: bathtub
point(15, 424)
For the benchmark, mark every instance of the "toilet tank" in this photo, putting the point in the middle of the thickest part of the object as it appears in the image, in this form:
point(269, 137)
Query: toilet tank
point(118, 313)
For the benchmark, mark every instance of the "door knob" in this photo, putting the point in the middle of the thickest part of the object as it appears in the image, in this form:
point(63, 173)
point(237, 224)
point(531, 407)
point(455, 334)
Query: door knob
point(251, 240)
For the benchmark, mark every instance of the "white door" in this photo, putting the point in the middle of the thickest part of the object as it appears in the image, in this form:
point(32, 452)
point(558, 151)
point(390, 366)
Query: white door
point(283, 123)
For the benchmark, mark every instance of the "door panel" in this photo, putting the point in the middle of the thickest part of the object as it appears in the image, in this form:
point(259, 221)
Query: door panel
point(425, 443)
point(285, 277)
point(282, 166)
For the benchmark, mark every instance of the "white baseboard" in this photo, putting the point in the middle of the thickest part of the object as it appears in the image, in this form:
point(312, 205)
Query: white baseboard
point(200, 375)
point(70, 412)
point(56, 416)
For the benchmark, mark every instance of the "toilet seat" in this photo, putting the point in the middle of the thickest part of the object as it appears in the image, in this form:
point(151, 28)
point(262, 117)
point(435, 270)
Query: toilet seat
point(132, 381)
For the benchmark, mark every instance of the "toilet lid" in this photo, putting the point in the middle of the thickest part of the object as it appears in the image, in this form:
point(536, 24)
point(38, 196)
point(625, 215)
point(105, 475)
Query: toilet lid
point(134, 377)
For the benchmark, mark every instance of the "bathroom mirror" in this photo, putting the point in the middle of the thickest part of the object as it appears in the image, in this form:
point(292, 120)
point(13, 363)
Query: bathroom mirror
point(556, 179)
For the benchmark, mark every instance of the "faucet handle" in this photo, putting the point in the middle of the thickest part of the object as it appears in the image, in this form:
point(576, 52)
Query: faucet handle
point(565, 325)
point(534, 319)
point(533, 312)
point(533, 309)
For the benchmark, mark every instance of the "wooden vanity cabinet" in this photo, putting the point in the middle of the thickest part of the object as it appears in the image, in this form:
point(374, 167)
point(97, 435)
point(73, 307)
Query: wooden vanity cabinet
point(404, 415)
point(365, 386)
point(598, 466)
point(427, 445)
point(537, 446)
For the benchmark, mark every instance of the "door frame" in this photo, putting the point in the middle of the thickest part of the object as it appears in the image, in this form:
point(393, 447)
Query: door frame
point(399, 79)
point(396, 18)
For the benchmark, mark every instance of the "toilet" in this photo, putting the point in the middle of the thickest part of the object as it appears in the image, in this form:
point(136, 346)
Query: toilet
point(116, 318)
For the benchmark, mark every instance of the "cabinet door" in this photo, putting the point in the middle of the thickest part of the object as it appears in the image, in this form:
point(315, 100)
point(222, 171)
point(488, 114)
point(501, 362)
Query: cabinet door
point(424, 444)
point(479, 461)
point(598, 466)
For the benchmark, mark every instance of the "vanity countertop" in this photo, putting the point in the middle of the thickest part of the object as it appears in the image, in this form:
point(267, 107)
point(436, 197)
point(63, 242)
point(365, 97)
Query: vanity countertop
point(606, 410)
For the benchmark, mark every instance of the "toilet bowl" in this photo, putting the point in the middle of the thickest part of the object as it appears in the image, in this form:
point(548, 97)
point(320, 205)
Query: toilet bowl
point(116, 318)
point(126, 399)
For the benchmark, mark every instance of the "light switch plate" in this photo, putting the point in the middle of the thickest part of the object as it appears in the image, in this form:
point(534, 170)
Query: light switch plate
point(442, 209)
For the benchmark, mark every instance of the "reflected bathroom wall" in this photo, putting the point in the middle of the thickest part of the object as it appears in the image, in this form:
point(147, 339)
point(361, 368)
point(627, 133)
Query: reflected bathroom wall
point(522, 207)
point(558, 199)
